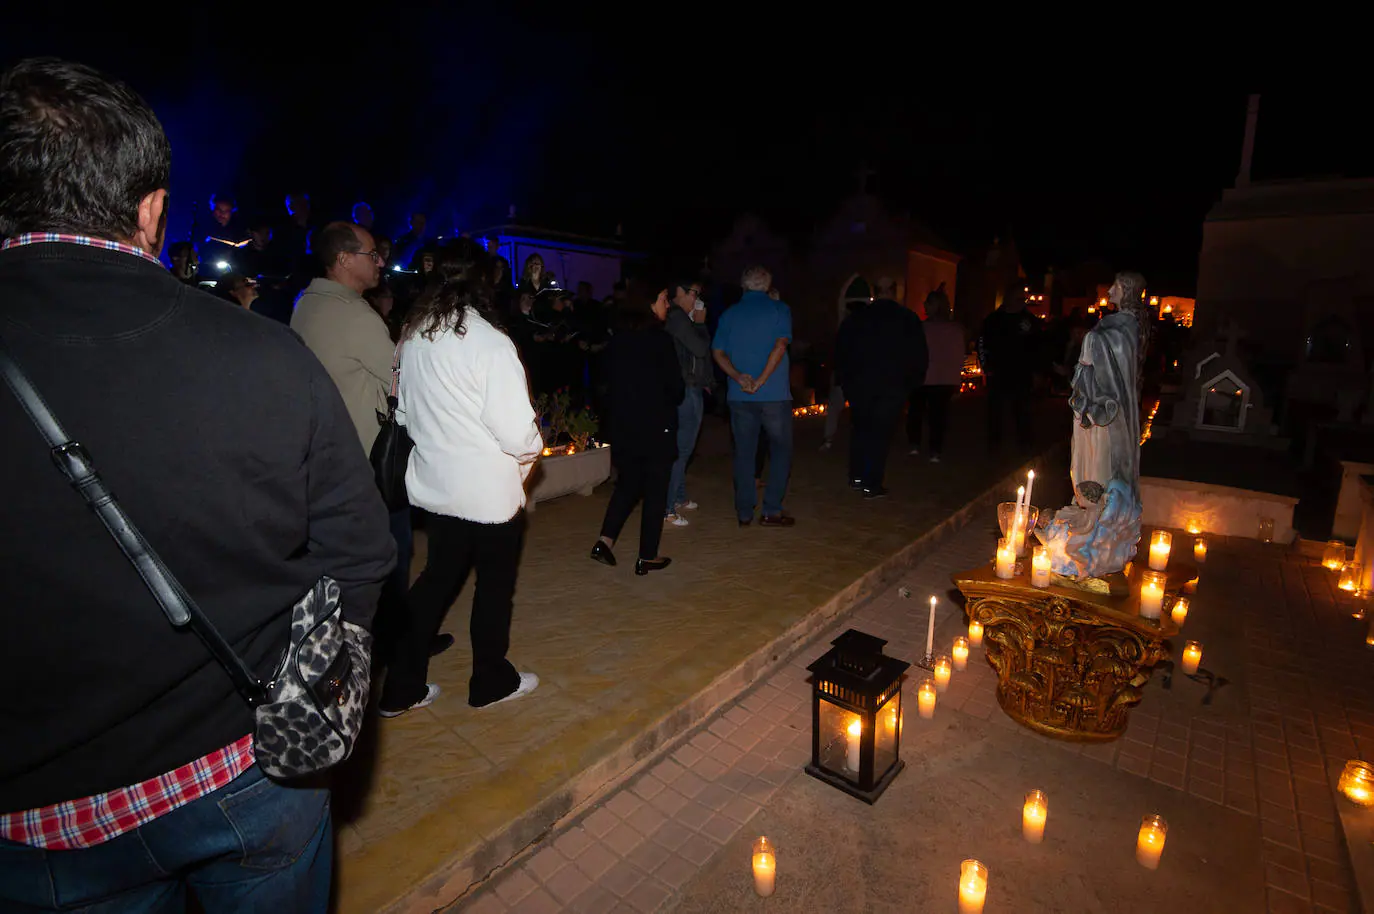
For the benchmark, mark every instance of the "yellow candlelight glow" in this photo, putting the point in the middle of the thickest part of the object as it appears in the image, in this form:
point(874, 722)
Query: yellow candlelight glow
point(1357, 783)
point(943, 669)
point(960, 653)
point(973, 886)
point(1149, 844)
point(1180, 611)
point(1333, 557)
point(1160, 543)
point(1151, 594)
point(765, 867)
point(1192, 657)
point(856, 729)
point(1033, 815)
point(1194, 527)
point(1040, 566)
point(975, 633)
point(925, 699)
point(1200, 549)
point(1006, 558)
point(1349, 580)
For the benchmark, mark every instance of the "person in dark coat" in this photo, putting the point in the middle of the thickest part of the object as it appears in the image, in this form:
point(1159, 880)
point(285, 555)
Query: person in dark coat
point(1006, 349)
point(646, 389)
point(881, 355)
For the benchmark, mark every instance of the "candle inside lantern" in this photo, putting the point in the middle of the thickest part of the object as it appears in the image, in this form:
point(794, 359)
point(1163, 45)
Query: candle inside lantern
point(960, 653)
point(1357, 782)
point(973, 886)
point(1161, 541)
point(1349, 580)
point(765, 867)
point(975, 634)
point(1006, 557)
point(1033, 815)
point(1200, 549)
point(925, 699)
point(1333, 557)
point(856, 730)
point(1149, 844)
point(943, 668)
point(1151, 594)
point(1192, 657)
point(1180, 611)
point(1040, 567)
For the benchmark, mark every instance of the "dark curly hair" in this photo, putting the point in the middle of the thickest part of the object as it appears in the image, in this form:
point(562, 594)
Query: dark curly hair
point(462, 281)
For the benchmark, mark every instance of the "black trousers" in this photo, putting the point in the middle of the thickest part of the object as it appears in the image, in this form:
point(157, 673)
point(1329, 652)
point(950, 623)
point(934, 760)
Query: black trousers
point(639, 478)
point(1014, 396)
point(875, 419)
point(929, 403)
point(457, 547)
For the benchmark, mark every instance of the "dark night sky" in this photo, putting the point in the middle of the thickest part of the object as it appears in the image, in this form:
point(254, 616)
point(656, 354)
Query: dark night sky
point(462, 110)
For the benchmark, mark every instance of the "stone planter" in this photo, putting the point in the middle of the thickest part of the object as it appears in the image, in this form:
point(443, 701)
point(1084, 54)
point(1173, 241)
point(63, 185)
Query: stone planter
point(555, 477)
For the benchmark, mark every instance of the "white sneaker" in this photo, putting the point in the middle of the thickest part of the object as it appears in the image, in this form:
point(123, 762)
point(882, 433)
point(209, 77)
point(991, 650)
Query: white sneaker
point(528, 683)
point(425, 702)
point(688, 506)
point(914, 452)
point(826, 445)
point(934, 458)
point(677, 520)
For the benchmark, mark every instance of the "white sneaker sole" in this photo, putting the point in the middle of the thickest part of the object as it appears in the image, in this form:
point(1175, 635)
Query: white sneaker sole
point(528, 683)
point(425, 702)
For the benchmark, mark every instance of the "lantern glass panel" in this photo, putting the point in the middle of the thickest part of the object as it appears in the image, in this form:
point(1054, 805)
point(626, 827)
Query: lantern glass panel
point(886, 739)
point(839, 744)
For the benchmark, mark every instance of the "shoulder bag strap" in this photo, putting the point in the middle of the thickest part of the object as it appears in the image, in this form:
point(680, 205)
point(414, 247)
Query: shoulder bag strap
point(74, 463)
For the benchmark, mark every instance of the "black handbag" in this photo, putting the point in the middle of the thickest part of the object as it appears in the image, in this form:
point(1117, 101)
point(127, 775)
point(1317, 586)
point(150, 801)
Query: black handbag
point(307, 718)
point(391, 450)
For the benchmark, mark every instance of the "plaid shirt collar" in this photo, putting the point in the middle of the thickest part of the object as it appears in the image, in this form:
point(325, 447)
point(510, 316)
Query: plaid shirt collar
point(45, 237)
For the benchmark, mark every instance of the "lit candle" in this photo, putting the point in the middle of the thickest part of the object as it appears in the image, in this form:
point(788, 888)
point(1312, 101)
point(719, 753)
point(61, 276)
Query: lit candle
point(925, 699)
point(973, 886)
point(942, 673)
point(856, 730)
point(1040, 567)
point(1030, 484)
point(1006, 558)
point(1334, 555)
point(1194, 527)
point(1200, 549)
point(1149, 844)
point(1180, 611)
point(960, 653)
point(1369, 636)
point(1192, 657)
point(765, 867)
point(975, 633)
point(930, 629)
point(1151, 594)
point(1160, 543)
point(1033, 816)
point(1349, 580)
point(1357, 783)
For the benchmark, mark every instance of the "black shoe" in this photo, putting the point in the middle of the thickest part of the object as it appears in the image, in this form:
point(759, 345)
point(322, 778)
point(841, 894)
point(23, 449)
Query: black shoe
point(442, 642)
point(777, 520)
point(644, 566)
point(745, 523)
point(603, 554)
point(878, 492)
point(856, 483)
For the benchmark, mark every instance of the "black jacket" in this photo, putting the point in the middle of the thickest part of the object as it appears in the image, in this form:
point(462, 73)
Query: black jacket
point(881, 351)
point(645, 390)
point(229, 446)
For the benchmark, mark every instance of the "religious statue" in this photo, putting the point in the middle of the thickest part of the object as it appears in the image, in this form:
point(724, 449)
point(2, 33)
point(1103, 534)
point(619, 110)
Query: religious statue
point(1096, 535)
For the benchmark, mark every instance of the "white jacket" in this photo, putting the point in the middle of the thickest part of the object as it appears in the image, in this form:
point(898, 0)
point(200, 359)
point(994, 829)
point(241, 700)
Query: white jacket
point(466, 404)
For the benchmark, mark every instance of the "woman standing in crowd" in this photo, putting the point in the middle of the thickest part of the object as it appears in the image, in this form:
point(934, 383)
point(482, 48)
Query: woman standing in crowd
point(466, 405)
point(930, 401)
point(646, 388)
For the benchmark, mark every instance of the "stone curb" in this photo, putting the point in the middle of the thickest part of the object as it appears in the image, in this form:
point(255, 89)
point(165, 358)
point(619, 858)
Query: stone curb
point(459, 877)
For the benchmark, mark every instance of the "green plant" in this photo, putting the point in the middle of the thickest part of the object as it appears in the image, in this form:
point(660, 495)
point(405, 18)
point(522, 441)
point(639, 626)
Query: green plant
point(560, 421)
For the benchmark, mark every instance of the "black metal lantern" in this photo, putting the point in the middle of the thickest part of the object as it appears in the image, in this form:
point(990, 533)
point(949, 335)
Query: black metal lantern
point(856, 716)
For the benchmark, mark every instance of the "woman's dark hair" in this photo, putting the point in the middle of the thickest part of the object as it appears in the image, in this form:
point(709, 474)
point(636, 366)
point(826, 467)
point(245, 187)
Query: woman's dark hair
point(461, 282)
point(78, 151)
point(639, 314)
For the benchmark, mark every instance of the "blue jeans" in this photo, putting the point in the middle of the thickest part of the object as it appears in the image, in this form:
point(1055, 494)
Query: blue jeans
point(251, 846)
point(774, 417)
point(688, 428)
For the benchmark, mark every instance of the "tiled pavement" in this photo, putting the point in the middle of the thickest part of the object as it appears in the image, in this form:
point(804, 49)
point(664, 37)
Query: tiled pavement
point(1299, 698)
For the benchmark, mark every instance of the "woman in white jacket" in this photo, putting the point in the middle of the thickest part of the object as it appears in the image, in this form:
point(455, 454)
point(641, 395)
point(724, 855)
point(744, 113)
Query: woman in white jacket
point(467, 407)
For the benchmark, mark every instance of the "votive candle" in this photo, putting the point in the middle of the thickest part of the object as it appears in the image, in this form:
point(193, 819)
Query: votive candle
point(1349, 580)
point(1151, 594)
point(1333, 557)
point(1006, 558)
point(975, 633)
point(1180, 611)
point(1040, 567)
point(1200, 550)
point(1149, 843)
point(856, 730)
point(973, 886)
point(925, 699)
point(943, 667)
point(1161, 541)
point(959, 653)
point(1192, 657)
point(1357, 782)
point(765, 867)
point(1033, 815)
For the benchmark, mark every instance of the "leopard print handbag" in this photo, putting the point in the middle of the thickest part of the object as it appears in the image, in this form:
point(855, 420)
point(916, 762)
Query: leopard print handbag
point(307, 718)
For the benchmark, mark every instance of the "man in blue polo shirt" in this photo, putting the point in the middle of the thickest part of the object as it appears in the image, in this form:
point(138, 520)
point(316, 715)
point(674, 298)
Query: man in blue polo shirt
point(751, 348)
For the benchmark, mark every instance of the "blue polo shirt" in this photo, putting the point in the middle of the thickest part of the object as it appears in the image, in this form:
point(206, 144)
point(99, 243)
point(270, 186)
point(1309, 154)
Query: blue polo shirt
point(746, 335)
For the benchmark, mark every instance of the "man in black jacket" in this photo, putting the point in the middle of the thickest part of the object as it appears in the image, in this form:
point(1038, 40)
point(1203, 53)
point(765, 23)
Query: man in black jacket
point(881, 354)
point(126, 748)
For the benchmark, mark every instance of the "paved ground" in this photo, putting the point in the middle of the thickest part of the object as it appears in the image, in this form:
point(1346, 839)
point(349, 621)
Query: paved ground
point(616, 653)
point(1243, 782)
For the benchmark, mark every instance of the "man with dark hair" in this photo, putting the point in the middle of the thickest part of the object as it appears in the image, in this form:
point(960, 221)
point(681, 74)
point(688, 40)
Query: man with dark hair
point(128, 754)
point(291, 237)
point(362, 215)
point(217, 237)
point(407, 247)
point(686, 324)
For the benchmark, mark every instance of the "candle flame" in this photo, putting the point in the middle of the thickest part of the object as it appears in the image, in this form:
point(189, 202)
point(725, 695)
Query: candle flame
point(856, 727)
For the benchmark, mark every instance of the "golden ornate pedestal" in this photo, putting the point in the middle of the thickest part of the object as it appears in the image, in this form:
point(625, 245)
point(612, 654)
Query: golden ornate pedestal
point(1070, 663)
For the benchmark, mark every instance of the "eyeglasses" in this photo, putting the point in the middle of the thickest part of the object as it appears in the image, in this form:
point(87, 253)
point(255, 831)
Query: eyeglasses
point(375, 255)
point(696, 292)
